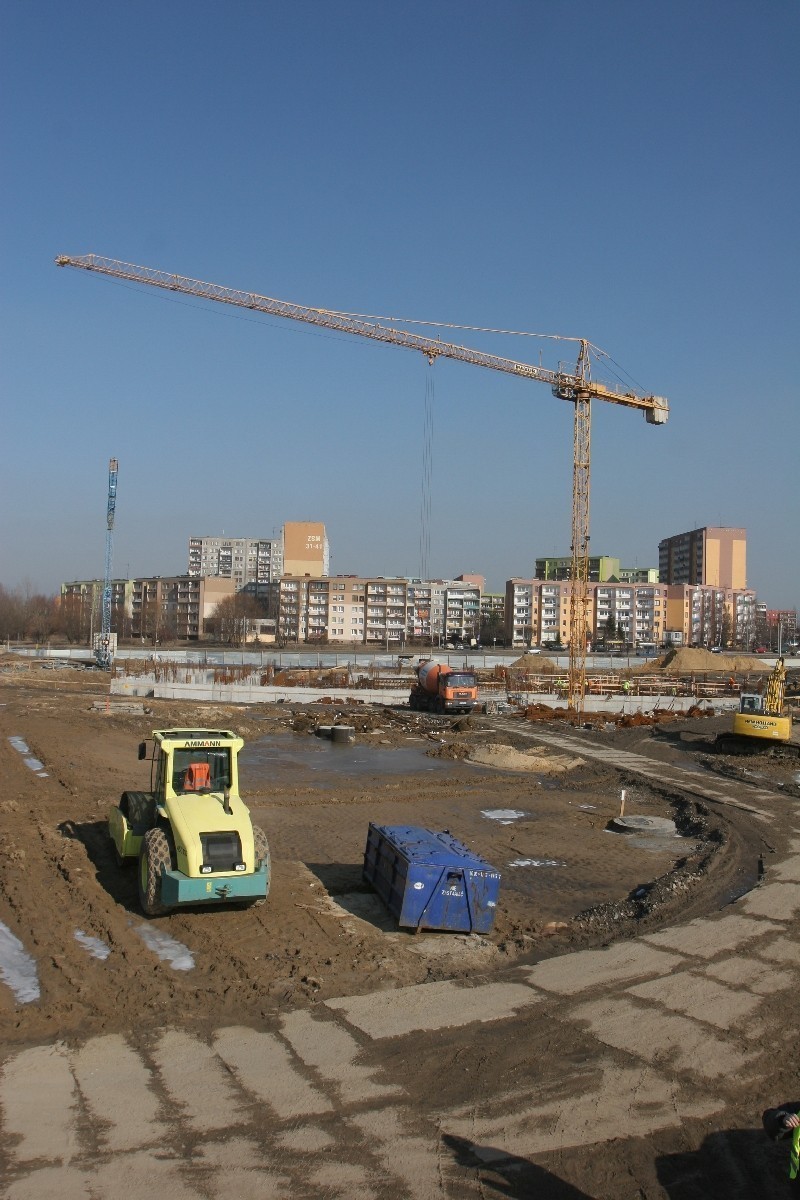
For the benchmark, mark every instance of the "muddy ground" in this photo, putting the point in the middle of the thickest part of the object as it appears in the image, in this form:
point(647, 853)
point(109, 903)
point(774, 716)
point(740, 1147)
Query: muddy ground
point(323, 934)
point(538, 817)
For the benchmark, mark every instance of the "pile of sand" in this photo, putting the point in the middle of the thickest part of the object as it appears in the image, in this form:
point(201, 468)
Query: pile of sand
point(332, 677)
point(685, 661)
point(505, 758)
point(534, 664)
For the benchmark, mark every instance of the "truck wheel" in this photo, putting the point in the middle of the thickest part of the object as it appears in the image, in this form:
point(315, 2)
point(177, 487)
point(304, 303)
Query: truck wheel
point(261, 846)
point(154, 854)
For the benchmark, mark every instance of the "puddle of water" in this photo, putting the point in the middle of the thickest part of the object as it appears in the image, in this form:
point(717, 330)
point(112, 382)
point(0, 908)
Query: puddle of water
point(17, 968)
point(19, 744)
point(96, 947)
point(537, 862)
point(506, 816)
point(167, 948)
point(296, 755)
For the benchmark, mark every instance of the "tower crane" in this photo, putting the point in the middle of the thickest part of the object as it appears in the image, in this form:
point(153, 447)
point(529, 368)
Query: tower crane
point(103, 653)
point(575, 386)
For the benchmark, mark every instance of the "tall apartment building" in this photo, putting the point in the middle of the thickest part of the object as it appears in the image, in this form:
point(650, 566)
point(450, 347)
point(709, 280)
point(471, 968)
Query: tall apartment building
point(711, 556)
point(305, 548)
point(349, 608)
point(250, 562)
point(537, 611)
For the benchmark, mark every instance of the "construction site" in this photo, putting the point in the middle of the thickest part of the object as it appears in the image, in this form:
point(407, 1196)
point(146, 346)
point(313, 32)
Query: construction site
point(639, 969)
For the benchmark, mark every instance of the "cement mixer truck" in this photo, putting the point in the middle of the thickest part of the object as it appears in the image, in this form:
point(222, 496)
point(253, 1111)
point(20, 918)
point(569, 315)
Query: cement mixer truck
point(440, 688)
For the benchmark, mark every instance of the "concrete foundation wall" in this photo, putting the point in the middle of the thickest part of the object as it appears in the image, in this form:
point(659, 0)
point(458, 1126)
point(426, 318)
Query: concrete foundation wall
point(221, 693)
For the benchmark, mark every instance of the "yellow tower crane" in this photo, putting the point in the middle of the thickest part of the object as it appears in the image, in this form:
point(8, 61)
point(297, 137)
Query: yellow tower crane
point(575, 386)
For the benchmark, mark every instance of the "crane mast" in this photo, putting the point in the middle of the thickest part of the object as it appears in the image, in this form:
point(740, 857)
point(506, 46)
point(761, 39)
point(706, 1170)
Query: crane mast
point(575, 386)
point(103, 653)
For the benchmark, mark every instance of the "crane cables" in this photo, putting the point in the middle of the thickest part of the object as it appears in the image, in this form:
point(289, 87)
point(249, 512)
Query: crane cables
point(427, 475)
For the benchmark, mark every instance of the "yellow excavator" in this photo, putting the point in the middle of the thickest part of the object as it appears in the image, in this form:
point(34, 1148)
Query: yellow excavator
point(762, 721)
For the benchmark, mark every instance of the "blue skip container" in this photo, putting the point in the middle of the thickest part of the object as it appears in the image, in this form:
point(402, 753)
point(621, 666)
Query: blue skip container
point(430, 880)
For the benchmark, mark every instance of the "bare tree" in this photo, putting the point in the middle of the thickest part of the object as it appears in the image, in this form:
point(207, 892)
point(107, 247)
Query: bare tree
point(726, 636)
point(25, 614)
point(12, 620)
point(41, 617)
point(231, 619)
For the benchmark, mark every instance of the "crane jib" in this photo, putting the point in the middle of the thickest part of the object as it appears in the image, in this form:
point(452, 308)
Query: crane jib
point(565, 385)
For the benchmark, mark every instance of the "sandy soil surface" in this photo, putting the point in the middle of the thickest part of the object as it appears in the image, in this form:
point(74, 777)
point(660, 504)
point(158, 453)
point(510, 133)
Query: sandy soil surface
point(538, 815)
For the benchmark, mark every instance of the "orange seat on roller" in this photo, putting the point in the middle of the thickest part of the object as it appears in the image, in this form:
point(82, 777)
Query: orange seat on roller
point(198, 775)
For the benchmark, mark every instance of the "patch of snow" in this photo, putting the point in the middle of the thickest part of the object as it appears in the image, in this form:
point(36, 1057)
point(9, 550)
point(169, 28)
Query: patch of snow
point(96, 947)
point(167, 948)
point(537, 862)
point(17, 968)
point(506, 816)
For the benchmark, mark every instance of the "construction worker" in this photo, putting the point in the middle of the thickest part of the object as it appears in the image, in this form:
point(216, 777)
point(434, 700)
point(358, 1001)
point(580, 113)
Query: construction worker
point(781, 1123)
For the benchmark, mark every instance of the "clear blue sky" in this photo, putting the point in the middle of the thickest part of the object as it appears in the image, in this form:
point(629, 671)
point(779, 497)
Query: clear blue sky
point(623, 172)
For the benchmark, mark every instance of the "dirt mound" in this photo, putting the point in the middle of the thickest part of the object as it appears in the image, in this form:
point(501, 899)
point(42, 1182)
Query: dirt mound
point(686, 660)
point(307, 677)
point(543, 712)
point(534, 664)
point(506, 758)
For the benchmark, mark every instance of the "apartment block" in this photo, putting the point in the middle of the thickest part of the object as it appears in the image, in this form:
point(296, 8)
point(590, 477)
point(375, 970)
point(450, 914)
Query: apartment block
point(305, 549)
point(601, 568)
point(776, 628)
point(160, 608)
point(81, 605)
point(254, 563)
point(493, 610)
point(538, 612)
point(712, 556)
point(784, 619)
point(364, 610)
point(702, 615)
point(638, 575)
point(176, 607)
